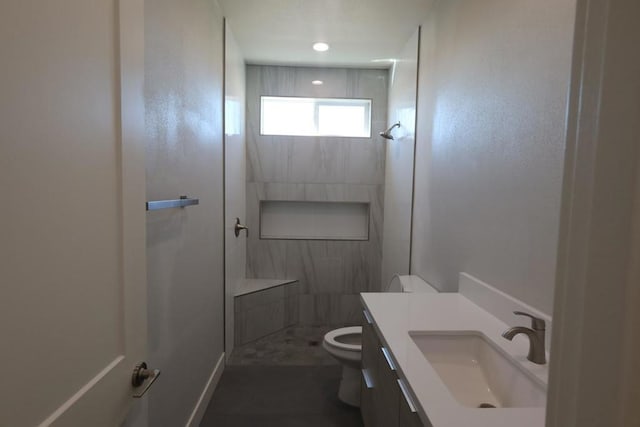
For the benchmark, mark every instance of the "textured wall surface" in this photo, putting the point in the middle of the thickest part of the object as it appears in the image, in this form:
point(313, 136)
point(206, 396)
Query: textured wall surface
point(183, 96)
point(398, 180)
point(491, 121)
point(235, 178)
point(331, 273)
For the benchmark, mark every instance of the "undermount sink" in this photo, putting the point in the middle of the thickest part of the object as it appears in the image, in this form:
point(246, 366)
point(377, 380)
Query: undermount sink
point(477, 373)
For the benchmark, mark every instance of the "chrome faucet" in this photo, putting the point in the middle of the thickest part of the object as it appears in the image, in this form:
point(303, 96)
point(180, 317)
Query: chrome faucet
point(536, 337)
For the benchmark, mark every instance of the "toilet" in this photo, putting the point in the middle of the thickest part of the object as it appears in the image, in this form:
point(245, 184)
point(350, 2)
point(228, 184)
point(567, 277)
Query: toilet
point(345, 344)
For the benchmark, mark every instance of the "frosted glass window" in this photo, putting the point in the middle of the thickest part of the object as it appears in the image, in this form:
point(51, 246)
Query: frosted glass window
point(315, 116)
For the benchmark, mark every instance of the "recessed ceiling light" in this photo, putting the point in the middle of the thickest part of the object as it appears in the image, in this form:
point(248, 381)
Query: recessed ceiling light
point(320, 47)
point(317, 82)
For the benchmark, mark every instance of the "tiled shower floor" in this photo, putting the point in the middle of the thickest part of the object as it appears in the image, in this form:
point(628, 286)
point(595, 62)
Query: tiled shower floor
point(299, 346)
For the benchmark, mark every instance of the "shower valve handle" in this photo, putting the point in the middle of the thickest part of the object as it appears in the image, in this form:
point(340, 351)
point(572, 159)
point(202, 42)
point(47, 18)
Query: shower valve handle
point(239, 227)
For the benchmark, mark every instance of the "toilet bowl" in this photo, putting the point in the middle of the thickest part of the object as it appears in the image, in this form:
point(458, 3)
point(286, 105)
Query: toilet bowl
point(345, 344)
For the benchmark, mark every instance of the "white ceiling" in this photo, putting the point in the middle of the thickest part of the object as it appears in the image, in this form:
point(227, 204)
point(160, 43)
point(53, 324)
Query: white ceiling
point(360, 32)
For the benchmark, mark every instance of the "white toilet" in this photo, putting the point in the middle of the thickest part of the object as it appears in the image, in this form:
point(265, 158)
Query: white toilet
point(345, 344)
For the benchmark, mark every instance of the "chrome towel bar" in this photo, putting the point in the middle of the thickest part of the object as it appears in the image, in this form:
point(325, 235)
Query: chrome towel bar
point(182, 202)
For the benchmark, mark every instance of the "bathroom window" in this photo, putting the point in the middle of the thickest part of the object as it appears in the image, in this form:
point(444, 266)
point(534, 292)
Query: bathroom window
point(296, 116)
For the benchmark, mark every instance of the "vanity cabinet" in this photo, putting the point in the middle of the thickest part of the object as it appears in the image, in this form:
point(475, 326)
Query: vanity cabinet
point(383, 402)
point(408, 417)
point(369, 372)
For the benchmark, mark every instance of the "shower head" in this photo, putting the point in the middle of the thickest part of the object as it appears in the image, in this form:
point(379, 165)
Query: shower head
point(387, 133)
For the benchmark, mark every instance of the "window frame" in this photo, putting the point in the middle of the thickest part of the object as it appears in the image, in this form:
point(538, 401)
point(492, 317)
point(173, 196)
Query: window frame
point(322, 101)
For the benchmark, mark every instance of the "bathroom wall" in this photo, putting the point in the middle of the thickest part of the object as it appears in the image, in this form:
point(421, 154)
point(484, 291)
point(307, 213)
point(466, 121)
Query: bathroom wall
point(183, 97)
point(490, 144)
point(398, 181)
point(235, 173)
point(331, 273)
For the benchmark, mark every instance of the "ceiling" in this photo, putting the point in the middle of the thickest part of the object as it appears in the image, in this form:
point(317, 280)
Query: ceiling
point(361, 33)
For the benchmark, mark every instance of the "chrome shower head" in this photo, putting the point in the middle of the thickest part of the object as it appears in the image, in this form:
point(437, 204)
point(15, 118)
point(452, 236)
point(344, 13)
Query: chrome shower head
point(387, 133)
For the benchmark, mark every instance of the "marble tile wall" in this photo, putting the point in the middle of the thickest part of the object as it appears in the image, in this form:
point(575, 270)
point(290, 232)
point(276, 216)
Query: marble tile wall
point(331, 274)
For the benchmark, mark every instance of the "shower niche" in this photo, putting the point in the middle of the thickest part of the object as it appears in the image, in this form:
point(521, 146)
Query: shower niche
point(314, 220)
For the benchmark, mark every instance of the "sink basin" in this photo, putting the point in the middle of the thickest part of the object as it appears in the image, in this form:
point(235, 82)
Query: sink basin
point(477, 372)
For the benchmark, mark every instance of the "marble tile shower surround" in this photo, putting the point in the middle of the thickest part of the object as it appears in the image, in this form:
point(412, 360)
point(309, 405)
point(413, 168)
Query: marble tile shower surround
point(331, 273)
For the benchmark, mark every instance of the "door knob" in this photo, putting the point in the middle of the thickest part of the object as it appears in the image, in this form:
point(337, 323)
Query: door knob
point(142, 374)
point(239, 227)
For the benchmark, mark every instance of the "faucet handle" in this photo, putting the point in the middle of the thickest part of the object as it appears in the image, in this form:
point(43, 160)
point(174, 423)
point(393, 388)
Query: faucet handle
point(537, 324)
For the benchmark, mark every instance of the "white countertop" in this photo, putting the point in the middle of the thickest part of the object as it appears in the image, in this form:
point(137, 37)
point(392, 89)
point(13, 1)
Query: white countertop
point(395, 314)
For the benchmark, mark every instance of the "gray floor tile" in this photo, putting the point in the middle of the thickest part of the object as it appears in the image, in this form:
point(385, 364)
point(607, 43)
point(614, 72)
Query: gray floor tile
point(263, 396)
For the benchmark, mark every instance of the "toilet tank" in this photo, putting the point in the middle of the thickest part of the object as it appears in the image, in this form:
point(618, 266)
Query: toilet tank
point(409, 283)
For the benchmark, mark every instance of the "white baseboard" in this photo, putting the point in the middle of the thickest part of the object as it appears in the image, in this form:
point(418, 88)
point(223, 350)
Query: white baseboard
point(205, 397)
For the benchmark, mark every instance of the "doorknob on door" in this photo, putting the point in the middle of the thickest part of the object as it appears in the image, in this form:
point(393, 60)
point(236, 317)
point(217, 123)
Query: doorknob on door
point(140, 375)
point(239, 227)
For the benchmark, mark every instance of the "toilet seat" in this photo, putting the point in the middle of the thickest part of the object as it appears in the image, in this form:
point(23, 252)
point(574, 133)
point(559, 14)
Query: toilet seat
point(332, 337)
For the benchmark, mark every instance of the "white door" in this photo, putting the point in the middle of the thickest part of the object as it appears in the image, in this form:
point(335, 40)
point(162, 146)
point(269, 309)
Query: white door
point(72, 219)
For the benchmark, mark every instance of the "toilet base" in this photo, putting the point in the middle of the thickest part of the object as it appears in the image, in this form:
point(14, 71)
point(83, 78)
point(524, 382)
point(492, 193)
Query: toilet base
point(349, 391)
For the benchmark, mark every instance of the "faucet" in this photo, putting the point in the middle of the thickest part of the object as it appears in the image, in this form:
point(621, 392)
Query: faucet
point(536, 337)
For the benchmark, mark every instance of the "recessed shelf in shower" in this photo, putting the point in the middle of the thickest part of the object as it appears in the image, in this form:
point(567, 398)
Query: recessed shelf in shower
point(314, 220)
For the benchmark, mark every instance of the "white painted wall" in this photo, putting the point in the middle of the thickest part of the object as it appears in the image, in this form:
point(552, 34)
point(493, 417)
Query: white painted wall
point(235, 173)
point(491, 121)
point(183, 92)
point(398, 178)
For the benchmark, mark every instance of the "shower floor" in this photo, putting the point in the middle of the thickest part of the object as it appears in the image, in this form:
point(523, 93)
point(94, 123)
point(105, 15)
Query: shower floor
point(293, 346)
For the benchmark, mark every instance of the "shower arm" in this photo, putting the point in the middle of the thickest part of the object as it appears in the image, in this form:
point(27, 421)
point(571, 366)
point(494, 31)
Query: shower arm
point(387, 134)
point(396, 125)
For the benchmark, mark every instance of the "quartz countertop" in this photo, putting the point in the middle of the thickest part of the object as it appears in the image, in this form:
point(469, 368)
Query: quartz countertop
point(395, 314)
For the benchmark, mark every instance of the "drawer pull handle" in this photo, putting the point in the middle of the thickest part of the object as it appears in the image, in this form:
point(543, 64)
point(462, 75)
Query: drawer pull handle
point(407, 398)
point(367, 379)
point(368, 317)
point(387, 356)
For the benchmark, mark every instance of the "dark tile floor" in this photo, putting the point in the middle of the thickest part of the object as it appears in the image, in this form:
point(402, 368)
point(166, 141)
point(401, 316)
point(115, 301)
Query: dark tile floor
point(284, 380)
point(279, 396)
